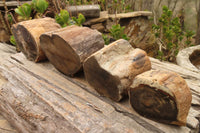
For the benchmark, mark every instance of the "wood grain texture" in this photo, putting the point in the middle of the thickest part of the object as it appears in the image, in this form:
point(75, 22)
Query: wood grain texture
point(112, 69)
point(13, 3)
point(38, 98)
point(27, 35)
point(161, 95)
point(67, 48)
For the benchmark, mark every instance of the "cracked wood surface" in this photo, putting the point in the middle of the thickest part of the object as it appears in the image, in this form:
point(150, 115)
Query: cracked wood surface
point(38, 98)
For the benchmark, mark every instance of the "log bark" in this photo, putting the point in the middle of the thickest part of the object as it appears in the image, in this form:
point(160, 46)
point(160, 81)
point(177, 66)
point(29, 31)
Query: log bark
point(161, 95)
point(27, 35)
point(111, 70)
point(67, 48)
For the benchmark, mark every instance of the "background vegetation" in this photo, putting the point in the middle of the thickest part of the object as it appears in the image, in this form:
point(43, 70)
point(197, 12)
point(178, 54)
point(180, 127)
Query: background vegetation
point(175, 22)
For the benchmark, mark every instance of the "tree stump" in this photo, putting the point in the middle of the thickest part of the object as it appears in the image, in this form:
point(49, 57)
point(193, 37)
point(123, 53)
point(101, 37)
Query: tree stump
point(67, 48)
point(27, 35)
point(112, 69)
point(161, 95)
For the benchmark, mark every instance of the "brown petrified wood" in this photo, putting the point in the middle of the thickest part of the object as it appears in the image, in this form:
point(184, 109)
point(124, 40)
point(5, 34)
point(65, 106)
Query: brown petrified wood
point(27, 35)
point(37, 98)
point(161, 95)
point(67, 48)
point(111, 70)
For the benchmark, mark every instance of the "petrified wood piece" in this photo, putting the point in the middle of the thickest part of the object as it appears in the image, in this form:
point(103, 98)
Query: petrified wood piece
point(161, 95)
point(111, 70)
point(92, 11)
point(27, 35)
point(37, 98)
point(67, 48)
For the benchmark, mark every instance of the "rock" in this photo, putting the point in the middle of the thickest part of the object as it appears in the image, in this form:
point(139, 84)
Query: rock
point(98, 27)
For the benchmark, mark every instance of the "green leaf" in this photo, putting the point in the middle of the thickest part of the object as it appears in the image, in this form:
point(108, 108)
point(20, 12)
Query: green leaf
point(10, 19)
point(24, 11)
point(117, 32)
point(63, 18)
point(40, 5)
point(80, 20)
point(106, 39)
point(12, 40)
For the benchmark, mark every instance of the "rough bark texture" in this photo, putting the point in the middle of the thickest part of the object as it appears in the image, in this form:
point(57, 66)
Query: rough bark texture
point(27, 35)
point(37, 96)
point(111, 70)
point(69, 47)
point(161, 95)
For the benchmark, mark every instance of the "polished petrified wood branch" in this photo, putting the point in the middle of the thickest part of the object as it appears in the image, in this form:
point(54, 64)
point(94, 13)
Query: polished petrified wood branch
point(67, 48)
point(112, 69)
point(27, 35)
point(161, 95)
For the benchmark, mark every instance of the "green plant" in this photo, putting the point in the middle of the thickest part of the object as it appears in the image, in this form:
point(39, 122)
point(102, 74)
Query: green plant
point(63, 18)
point(106, 39)
point(40, 6)
point(170, 36)
point(117, 32)
point(12, 40)
point(189, 35)
point(24, 12)
point(80, 20)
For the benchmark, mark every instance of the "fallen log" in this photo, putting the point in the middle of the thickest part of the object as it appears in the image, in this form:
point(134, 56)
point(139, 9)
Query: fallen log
point(89, 11)
point(112, 69)
point(67, 48)
point(161, 95)
point(38, 98)
point(27, 35)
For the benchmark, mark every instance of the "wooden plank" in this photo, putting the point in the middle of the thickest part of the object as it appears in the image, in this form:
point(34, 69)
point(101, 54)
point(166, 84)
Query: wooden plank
point(13, 3)
point(37, 97)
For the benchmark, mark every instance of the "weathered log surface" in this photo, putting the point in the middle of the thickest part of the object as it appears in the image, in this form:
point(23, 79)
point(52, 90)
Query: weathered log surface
point(67, 48)
point(92, 11)
point(161, 95)
point(13, 3)
point(183, 58)
point(37, 98)
point(27, 35)
point(105, 16)
point(112, 69)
